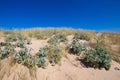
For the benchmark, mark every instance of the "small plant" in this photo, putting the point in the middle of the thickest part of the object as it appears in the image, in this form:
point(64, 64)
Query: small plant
point(2, 44)
point(0, 52)
point(40, 57)
point(81, 36)
point(30, 62)
point(11, 38)
point(5, 44)
point(42, 62)
point(28, 41)
point(53, 40)
point(57, 38)
point(21, 44)
point(22, 56)
point(6, 51)
point(75, 47)
point(61, 37)
point(98, 58)
point(54, 54)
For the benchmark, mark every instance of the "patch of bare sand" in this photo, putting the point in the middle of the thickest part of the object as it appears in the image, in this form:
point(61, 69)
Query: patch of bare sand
point(36, 45)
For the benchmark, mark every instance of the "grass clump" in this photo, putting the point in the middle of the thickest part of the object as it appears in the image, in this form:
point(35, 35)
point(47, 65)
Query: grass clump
point(57, 38)
point(11, 38)
point(43, 35)
point(20, 36)
point(81, 36)
point(54, 55)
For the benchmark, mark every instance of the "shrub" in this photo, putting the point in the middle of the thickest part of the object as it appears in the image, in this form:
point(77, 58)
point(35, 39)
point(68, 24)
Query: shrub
point(6, 44)
point(40, 57)
point(81, 36)
point(98, 58)
point(61, 37)
point(22, 55)
point(31, 62)
point(75, 47)
point(28, 41)
point(6, 51)
point(53, 40)
point(54, 54)
point(21, 44)
point(57, 38)
point(42, 62)
point(3, 44)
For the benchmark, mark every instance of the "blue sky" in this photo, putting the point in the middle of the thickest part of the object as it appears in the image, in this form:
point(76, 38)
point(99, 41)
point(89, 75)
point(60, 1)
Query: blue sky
point(85, 14)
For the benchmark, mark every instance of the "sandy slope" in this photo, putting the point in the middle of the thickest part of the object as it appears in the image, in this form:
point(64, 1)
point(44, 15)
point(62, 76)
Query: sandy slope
point(70, 69)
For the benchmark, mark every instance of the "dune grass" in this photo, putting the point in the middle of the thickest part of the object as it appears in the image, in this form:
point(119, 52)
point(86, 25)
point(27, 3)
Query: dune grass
point(106, 39)
point(110, 38)
point(35, 31)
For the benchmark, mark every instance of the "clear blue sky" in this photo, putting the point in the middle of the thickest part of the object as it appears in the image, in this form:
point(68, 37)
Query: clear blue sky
point(86, 14)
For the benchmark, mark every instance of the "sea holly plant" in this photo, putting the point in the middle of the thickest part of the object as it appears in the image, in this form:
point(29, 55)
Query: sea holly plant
point(22, 55)
point(75, 47)
point(6, 51)
point(2, 44)
point(40, 57)
point(5, 44)
point(28, 41)
point(98, 58)
point(21, 44)
point(53, 40)
point(62, 37)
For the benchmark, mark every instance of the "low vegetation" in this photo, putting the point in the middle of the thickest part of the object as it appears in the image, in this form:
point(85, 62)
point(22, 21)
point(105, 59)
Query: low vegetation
point(54, 55)
point(75, 47)
point(81, 36)
point(41, 57)
point(57, 38)
point(99, 56)
point(43, 35)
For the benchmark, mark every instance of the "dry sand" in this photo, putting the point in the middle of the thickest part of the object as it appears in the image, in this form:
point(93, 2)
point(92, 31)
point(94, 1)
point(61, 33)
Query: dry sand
point(69, 69)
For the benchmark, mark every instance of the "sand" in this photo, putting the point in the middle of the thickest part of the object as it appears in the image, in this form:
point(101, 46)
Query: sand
point(68, 69)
